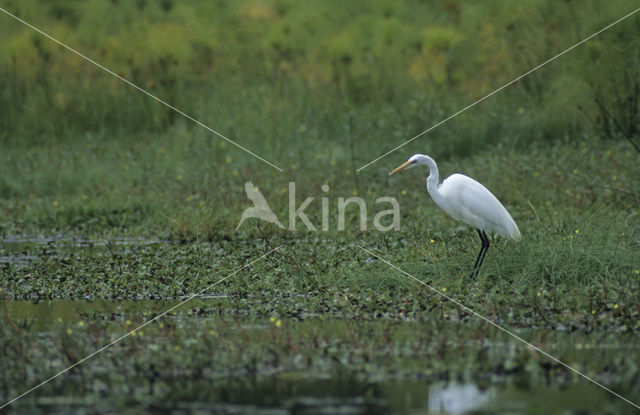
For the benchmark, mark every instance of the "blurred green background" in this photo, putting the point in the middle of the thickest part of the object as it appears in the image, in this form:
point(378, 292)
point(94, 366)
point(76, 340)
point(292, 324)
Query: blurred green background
point(317, 88)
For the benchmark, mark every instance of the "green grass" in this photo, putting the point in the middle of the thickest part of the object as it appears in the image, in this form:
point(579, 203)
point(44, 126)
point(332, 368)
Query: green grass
point(575, 200)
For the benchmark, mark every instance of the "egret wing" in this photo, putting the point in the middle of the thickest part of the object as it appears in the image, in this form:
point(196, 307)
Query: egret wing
point(478, 207)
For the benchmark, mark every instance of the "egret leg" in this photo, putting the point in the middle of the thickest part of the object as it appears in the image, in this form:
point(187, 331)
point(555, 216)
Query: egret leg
point(486, 248)
point(483, 249)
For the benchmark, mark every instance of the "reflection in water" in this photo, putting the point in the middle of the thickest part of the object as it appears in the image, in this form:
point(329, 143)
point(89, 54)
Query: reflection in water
point(456, 399)
point(320, 389)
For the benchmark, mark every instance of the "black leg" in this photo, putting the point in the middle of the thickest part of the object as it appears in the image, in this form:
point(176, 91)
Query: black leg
point(486, 248)
point(483, 249)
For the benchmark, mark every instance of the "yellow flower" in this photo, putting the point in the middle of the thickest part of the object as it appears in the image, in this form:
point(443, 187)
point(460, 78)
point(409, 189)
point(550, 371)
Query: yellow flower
point(81, 323)
point(432, 241)
point(69, 331)
point(272, 319)
point(128, 322)
point(355, 193)
point(575, 171)
point(278, 323)
point(539, 293)
point(615, 306)
point(404, 192)
point(593, 311)
point(133, 333)
point(228, 160)
point(577, 231)
point(444, 289)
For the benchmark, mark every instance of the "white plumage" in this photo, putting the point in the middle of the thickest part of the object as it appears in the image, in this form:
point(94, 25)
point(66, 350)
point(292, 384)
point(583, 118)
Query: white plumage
point(468, 201)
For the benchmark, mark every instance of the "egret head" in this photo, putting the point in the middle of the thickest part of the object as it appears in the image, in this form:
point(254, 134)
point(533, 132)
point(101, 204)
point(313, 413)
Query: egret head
point(409, 164)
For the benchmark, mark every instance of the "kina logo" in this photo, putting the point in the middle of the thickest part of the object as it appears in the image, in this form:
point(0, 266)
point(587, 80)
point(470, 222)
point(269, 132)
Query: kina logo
point(260, 209)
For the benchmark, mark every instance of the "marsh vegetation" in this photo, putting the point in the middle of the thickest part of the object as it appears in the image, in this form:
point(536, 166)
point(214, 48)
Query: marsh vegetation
point(117, 205)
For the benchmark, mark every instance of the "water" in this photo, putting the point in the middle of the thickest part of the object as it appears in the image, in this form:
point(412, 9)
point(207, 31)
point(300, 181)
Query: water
point(347, 396)
point(338, 392)
point(20, 250)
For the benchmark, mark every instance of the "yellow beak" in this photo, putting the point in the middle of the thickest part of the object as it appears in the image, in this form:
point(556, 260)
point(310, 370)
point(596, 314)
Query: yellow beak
point(401, 167)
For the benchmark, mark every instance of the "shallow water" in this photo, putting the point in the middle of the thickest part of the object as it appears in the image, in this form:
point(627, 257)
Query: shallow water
point(341, 392)
point(22, 242)
point(42, 315)
point(22, 250)
point(344, 395)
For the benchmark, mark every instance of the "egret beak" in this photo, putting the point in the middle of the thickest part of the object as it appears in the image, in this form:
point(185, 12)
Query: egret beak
point(401, 167)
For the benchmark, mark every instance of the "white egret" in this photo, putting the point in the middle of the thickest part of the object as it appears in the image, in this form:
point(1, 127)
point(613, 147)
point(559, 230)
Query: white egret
point(467, 200)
